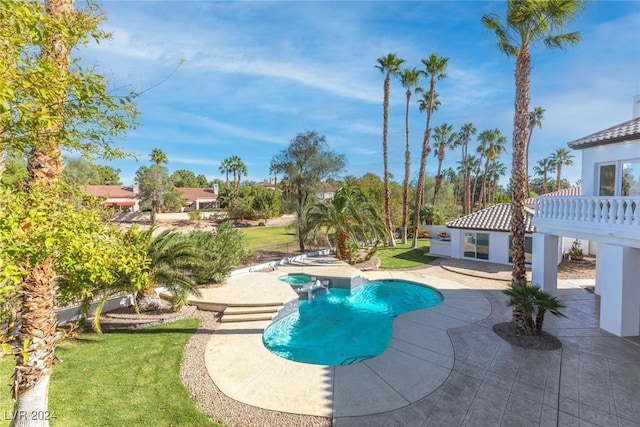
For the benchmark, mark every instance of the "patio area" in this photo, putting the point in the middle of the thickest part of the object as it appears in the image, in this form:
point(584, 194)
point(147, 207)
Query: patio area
point(464, 375)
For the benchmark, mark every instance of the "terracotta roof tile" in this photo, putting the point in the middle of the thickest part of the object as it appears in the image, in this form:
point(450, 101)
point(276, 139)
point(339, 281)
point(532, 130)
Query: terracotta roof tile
point(193, 194)
point(109, 191)
point(494, 218)
point(565, 192)
point(626, 131)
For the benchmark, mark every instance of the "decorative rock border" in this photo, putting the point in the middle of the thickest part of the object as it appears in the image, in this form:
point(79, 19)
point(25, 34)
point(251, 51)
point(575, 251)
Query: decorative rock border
point(111, 321)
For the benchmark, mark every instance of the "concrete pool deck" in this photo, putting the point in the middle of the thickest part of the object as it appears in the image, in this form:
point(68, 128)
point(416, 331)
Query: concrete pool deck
point(465, 375)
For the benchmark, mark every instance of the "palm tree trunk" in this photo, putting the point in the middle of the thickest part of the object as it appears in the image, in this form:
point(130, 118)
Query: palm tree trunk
point(385, 159)
point(467, 189)
point(526, 161)
point(438, 183)
point(483, 190)
point(539, 320)
point(407, 167)
point(558, 175)
point(518, 174)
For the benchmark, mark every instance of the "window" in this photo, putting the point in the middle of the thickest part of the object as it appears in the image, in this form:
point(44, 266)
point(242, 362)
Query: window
point(607, 185)
point(631, 179)
point(476, 245)
point(528, 249)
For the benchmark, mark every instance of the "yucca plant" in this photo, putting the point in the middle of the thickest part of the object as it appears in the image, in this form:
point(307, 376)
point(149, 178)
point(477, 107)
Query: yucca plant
point(530, 304)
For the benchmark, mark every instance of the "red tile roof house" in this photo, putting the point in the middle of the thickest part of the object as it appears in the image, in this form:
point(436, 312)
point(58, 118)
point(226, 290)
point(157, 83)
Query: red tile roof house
point(199, 198)
point(121, 197)
point(607, 212)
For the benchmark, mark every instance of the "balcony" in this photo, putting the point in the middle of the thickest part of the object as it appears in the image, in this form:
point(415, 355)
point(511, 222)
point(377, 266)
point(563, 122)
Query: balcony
point(614, 220)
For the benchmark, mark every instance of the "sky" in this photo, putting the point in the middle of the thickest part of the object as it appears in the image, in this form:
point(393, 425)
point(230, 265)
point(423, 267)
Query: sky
point(257, 73)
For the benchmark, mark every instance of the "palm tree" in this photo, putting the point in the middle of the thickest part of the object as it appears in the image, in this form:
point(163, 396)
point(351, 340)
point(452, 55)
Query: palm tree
point(535, 119)
point(561, 157)
point(157, 156)
point(225, 168)
point(531, 304)
point(387, 65)
point(350, 215)
point(443, 139)
point(409, 78)
point(492, 144)
point(465, 133)
point(525, 24)
point(542, 169)
point(435, 67)
point(239, 170)
point(474, 166)
point(496, 170)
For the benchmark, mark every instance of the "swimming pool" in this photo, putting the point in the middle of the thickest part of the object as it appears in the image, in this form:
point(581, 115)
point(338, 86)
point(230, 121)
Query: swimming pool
point(297, 278)
point(346, 327)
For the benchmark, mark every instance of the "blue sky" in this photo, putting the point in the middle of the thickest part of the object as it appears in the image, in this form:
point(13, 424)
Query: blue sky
point(258, 73)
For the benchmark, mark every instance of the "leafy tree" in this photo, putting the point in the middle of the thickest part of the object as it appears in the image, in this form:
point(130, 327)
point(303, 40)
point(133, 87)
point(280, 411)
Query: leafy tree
point(444, 139)
point(388, 65)
point(465, 133)
point(80, 171)
point(154, 186)
point(185, 178)
point(15, 171)
point(262, 202)
point(48, 103)
point(561, 157)
point(306, 162)
point(351, 216)
point(535, 119)
point(410, 78)
point(525, 24)
point(435, 67)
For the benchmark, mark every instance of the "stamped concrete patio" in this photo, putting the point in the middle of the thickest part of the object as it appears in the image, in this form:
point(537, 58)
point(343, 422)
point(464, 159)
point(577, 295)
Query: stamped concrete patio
point(465, 375)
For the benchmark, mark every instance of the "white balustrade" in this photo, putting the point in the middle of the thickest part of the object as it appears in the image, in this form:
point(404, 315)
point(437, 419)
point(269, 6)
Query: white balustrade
point(620, 211)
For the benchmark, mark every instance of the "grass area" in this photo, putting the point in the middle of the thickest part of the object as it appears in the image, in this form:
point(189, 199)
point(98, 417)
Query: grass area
point(124, 378)
point(404, 256)
point(265, 237)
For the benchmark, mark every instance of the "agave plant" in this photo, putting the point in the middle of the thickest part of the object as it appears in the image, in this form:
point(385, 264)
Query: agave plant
point(530, 304)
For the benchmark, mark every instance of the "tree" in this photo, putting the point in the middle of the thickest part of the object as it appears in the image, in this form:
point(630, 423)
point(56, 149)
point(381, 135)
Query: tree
point(351, 216)
point(542, 169)
point(561, 157)
point(80, 171)
point(444, 139)
point(492, 144)
point(410, 78)
point(535, 119)
point(225, 168)
point(532, 304)
point(525, 24)
point(154, 186)
point(48, 104)
point(388, 65)
point(158, 157)
point(185, 178)
point(474, 164)
point(435, 67)
point(465, 133)
point(239, 170)
point(306, 162)
point(496, 170)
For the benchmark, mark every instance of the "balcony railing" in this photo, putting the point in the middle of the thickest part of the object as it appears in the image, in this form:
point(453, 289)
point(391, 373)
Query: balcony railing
point(600, 211)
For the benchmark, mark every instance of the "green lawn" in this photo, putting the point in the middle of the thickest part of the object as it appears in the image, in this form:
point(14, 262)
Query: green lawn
point(404, 256)
point(266, 237)
point(125, 378)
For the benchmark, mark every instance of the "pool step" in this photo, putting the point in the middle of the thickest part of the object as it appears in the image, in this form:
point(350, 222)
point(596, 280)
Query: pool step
point(249, 313)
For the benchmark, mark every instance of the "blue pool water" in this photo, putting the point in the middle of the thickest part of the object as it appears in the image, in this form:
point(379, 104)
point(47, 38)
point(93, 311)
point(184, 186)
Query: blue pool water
point(343, 327)
point(296, 278)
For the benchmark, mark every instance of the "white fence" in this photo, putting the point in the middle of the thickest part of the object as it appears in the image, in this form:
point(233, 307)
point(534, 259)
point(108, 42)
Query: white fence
point(619, 211)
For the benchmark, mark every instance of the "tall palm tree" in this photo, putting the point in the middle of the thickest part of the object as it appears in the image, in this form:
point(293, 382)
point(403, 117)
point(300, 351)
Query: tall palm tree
point(239, 170)
point(474, 166)
point(527, 23)
point(158, 157)
point(388, 65)
point(561, 157)
point(492, 144)
point(535, 119)
point(435, 67)
point(443, 139)
point(497, 169)
point(465, 133)
point(225, 168)
point(542, 169)
point(410, 78)
point(350, 215)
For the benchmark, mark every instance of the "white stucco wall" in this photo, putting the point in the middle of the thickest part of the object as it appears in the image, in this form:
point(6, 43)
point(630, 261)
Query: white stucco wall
point(591, 157)
point(498, 245)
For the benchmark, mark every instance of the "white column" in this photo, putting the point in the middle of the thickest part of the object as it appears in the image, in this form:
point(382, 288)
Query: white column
point(620, 290)
point(544, 268)
point(601, 271)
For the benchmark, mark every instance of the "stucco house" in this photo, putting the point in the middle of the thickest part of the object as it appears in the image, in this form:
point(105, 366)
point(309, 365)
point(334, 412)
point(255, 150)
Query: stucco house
point(121, 197)
point(199, 198)
point(607, 212)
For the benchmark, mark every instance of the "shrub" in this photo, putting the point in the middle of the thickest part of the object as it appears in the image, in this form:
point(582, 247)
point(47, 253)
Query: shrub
point(194, 216)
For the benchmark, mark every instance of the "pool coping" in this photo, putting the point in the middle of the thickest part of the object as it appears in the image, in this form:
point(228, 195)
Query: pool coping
point(418, 360)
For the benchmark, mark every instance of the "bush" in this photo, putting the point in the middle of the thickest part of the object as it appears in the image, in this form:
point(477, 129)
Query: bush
point(194, 215)
point(221, 253)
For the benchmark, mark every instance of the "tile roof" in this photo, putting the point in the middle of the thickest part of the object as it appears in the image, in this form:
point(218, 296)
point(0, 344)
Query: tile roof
point(109, 191)
point(267, 184)
point(565, 192)
point(494, 218)
point(193, 194)
point(627, 131)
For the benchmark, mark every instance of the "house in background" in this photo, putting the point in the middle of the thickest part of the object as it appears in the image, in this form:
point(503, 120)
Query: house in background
point(483, 235)
point(607, 212)
point(200, 198)
point(268, 184)
point(121, 198)
point(327, 191)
